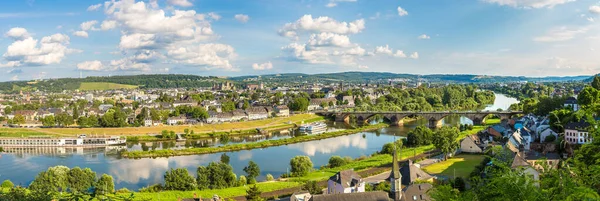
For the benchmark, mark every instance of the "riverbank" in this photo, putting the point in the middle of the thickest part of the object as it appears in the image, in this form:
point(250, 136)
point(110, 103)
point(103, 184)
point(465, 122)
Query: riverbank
point(200, 130)
point(246, 146)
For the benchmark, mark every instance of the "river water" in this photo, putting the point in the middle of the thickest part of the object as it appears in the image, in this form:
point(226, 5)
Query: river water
point(22, 166)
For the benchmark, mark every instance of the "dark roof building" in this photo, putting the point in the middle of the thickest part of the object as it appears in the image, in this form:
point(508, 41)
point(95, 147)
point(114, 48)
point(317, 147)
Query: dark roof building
point(346, 178)
point(417, 192)
point(411, 173)
point(364, 196)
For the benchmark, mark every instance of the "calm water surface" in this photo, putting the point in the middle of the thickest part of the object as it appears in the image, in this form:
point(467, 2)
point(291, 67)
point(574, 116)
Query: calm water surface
point(22, 166)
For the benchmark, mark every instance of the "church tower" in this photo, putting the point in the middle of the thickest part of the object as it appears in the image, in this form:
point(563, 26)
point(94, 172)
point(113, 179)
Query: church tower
point(396, 178)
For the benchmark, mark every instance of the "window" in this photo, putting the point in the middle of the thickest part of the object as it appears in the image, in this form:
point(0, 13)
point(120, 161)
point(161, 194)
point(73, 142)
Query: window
point(415, 197)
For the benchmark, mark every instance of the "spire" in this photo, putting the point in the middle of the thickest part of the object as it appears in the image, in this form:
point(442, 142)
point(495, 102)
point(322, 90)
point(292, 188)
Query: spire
point(395, 167)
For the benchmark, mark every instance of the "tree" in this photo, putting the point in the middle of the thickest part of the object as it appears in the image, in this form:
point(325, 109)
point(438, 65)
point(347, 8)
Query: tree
point(252, 170)
point(269, 177)
point(202, 178)
point(300, 166)
point(246, 105)
point(389, 148)
point(588, 96)
point(299, 104)
point(596, 82)
point(550, 138)
point(7, 184)
point(312, 187)
point(48, 121)
point(220, 175)
point(179, 179)
point(421, 135)
point(224, 158)
point(227, 106)
point(253, 194)
point(445, 139)
point(18, 119)
point(336, 161)
point(81, 180)
point(459, 183)
point(242, 181)
point(105, 185)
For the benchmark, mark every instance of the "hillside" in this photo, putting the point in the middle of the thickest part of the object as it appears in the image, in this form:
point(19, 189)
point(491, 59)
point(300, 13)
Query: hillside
point(86, 86)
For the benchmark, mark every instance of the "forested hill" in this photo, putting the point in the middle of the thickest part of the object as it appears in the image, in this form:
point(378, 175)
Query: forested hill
point(383, 77)
point(143, 81)
point(184, 81)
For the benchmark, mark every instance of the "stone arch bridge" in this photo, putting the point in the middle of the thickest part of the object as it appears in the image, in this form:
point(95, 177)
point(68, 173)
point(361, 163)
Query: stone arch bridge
point(434, 118)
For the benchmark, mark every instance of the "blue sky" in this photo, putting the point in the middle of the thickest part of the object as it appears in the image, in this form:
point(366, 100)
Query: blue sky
point(66, 38)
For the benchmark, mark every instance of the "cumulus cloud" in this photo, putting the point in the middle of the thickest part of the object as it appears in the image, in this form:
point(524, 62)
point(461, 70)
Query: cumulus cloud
point(25, 50)
point(108, 24)
point(88, 25)
point(214, 16)
point(402, 12)
point(529, 3)
point(210, 55)
point(82, 34)
point(383, 50)
point(321, 24)
point(263, 66)
point(329, 39)
point(17, 33)
point(363, 66)
point(90, 66)
point(94, 7)
point(414, 55)
point(595, 9)
point(182, 3)
point(333, 3)
point(400, 54)
point(424, 37)
point(561, 34)
point(242, 18)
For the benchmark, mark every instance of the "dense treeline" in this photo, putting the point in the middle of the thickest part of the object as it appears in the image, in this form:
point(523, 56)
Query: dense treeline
point(144, 81)
point(451, 97)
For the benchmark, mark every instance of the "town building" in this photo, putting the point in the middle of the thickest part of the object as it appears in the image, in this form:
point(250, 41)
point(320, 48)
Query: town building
point(577, 133)
point(571, 102)
point(346, 181)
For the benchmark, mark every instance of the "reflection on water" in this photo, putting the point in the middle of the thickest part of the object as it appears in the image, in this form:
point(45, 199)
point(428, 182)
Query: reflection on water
point(22, 166)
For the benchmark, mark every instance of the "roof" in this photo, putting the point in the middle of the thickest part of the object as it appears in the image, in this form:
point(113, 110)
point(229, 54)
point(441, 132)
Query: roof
point(364, 196)
point(475, 138)
point(411, 173)
point(519, 161)
point(499, 128)
point(256, 110)
point(347, 178)
point(418, 190)
point(571, 100)
point(533, 155)
point(524, 132)
point(581, 125)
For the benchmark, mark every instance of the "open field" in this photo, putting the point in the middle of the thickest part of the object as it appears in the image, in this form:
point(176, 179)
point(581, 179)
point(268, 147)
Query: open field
point(85, 86)
point(198, 129)
point(460, 166)
point(19, 132)
point(490, 121)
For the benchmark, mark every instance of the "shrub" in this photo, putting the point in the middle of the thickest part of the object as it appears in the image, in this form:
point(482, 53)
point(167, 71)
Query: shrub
point(242, 181)
point(123, 190)
point(300, 166)
point(269, 177)
point(7, 184)
point(336, 161)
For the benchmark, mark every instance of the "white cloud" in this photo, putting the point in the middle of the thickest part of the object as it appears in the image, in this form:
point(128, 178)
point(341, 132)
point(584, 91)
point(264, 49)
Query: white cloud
point(332, 3)
point(14, 78)
point(402, 12)
point(212, 55)
point(356, 51)
point(214, 16)
point(17, 33)
point(59, 27)
point(242, 18)
point(28, 51)
point(182, 3)
point(399, 54)
point(363, 66)
point(383, 50)
point(329, 39)
point(590, 19)
point(263, 66)
point(321, 24)
point(94, 7)
point(595, 9)
point(108, 24)
point(414, 55)
point(137, 40)
point(90, 66)
point(88, 25)
point(424, 36)
point(529, 3)
point(82, 34)
point(561, 34)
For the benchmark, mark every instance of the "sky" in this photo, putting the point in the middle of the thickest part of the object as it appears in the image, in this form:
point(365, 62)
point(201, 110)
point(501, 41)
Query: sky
point(41, 39)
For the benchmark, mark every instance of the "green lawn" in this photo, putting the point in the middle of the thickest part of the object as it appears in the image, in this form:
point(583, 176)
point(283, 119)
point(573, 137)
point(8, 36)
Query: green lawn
point(104, 86)
point(491, 121)
point(20, 132)
point(226, 193)
point(461, 165)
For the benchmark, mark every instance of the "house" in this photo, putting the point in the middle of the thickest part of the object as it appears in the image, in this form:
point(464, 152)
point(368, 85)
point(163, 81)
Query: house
point(282, 111)
point(417, 192)
point(411, 174)
point(520, 162)
point(515, 142)
point(349, 99)
point(104, 107)
point(472, 144)
point(190, 103)
point(301, 196)
point(535, 159)
point(498, 131)
point(576, 133)
point(315, 104)
point(346, 181)
point(526, 136)
point(571, 102)
point(545, 132)
point(148, 122)
point(176, 120)
point(238, 115)
point(29, 115)
point(362, 196)
point(518, 124)
point(255, 113)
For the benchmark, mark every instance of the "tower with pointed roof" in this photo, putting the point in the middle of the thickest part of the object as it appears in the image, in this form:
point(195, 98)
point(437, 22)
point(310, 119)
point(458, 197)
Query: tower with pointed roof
point(395, 178)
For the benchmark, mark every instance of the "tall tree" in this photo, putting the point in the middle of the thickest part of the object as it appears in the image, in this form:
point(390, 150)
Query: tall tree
point(252, 171)
point(253, 194)
point(105, 185)
point(301, 165)
point(445, 140)
point(179, 179)
point(596, 82)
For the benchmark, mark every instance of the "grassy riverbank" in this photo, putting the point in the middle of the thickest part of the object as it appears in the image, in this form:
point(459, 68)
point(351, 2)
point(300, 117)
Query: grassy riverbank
point(201, 130)
point(246, 146)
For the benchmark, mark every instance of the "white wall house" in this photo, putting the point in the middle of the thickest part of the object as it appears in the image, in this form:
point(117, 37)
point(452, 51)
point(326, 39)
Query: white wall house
point(576, 133)
point(346, 181)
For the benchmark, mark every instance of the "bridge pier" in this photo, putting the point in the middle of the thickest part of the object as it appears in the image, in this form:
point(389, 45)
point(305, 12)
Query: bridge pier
point(434, 123)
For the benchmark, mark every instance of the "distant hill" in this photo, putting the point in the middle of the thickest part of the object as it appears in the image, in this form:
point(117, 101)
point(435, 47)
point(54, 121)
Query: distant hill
point(185, 81)
point(382, 77)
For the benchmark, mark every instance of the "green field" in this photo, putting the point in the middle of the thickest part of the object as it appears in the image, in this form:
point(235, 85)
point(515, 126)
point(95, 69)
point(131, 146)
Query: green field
point(460, 166)
point(20, 132)
point(104, 86)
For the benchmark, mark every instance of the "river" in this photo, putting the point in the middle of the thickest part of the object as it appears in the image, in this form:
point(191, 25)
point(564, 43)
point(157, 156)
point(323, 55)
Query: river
point(133, 174)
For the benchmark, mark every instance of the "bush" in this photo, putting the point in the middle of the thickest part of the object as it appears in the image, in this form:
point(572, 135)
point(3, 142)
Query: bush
point(459, 183)
point(123, 190)
point(269, 177)
point(312, 187)
point(242, 181)
point(550, 138)
point(179, 179)
point(151, 189)
point(336, 161)
point(7, 184)
point(301, 166)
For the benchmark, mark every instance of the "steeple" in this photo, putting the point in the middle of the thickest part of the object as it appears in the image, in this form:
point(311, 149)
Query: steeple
point(395, 178)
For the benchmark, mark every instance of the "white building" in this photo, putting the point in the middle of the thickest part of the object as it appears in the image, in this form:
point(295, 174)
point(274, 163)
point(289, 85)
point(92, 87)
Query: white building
point(572, 103)
point(346, 181)
point(576, 133)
